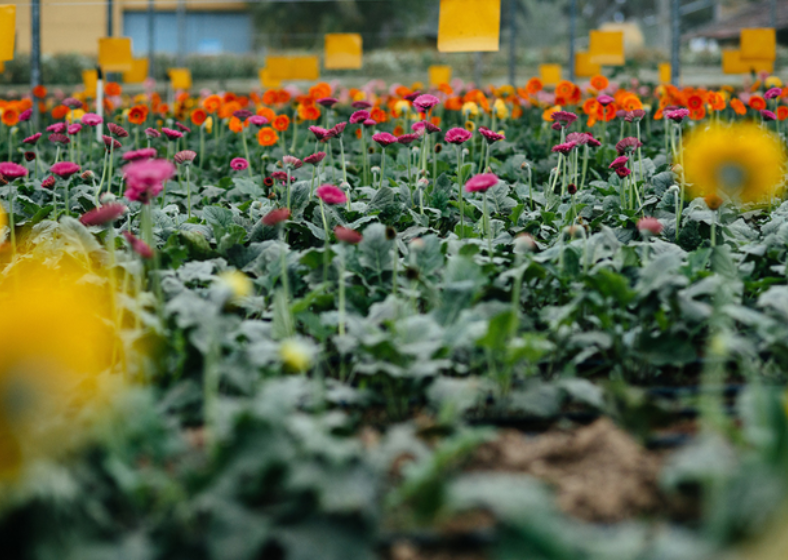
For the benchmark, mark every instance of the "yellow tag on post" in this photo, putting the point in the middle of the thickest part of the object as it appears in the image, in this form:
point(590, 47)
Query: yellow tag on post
point(550, 74)
point(138, 72)
point(266, 81)
point(293, 67)
point(115, 54)
point(90, 81)
point(2, 66)
point(180, 78)
point(469, 26)
point(343, 51)
point(584, 68)
point(758, 44)
point(665, 73)
point(440, 75)
point(7, 31)
point(606, 47)
point(732, 63)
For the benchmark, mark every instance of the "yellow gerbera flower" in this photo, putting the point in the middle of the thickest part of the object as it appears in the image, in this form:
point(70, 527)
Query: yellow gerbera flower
point(296, 355)
point(744, 163)
point(237, 285)
point(500, 108)
point(470, 109)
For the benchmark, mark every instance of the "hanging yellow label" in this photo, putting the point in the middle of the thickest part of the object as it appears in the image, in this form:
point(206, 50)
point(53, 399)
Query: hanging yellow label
point(343, 51)
point(469, 26)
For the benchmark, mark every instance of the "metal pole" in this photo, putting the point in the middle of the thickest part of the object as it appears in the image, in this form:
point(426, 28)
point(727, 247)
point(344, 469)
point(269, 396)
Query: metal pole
point(110, 22)
point(477, 70)
point(512, 37)
point(675, 41)
point(181, 22)
point(151, 39)
point(35, 53)
point(572, 25)
point(773, 13)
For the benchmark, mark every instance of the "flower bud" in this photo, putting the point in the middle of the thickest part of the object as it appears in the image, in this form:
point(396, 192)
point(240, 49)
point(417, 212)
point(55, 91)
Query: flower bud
point(524, 243)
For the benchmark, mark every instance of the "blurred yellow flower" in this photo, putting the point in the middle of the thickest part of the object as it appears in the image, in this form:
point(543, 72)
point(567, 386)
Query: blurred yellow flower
point(296, 355)
point(3, 221)
point(773, 82)
point(743, 163)
point(208, 124)
point(470, 126)
point(470, 109)
point(500, 108)
point(237, 283)
point(75, 115)
point(402, 107)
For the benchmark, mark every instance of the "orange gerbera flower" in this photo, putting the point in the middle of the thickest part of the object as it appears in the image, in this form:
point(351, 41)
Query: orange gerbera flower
point(358, 133)
point(782, 112)
point(534, 86)
point(281, 123)
point(564, 89)
point(453, 104)
point(757, 102)
point(236, 124)
point(402, 91)
point(228, 109)
point(112, 89)
point(517, 112)
point(163, 109)
point(698, 114)
point(282, 96)
point(212, 103)
point(60, 112)
point(631, 103)
point(576, 96)
point(267, 136)
point(138, 114)
point(738, 107)
point(436, 121)
point(694, 102)
point(398, 131)
point(266, 112)
point(716, 100)
point(659, 115)
point(590, 106)
point(320, 90)
point(229, 97)
point(599, 82)
point(39, 92)
point(198, 117)
point(269, 97)
point(308, 112)
point(10, 116)
point(446, 88)
point(378, 115)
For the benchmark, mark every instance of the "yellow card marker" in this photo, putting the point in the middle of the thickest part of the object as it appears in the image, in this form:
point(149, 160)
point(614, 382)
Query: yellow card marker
point(115, 54)
point(138, 72)
point(665, 73)
point(758, 44)
point(606, 47)
point(90, 81)
point(440, 75)
point(266, 82)
point(7, 31)
point(469, 26)
point(180, 78)
point(293, 67)
point(550, 74)
point(732, 63)
point(343, 51)
point(584, 68)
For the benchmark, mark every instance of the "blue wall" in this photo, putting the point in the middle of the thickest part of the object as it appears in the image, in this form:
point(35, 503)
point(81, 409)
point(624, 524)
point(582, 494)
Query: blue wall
point(206, 32)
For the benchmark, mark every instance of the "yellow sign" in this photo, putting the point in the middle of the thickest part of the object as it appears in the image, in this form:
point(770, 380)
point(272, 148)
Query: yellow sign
point(266, 81)
point(665, 73)
point(732, 63)
point(293, 67)
point(758, 44)
point(469, 25)
point(550, 74)
point(7, 31)
point(343, 51)
point(2, 66)
point(440, 75)
point(90, 81)
point(584, 68)
point(115, 54)
point(606, 47)
point(180, 78)
point(138, 72)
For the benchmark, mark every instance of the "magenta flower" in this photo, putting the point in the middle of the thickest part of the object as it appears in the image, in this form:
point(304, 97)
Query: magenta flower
point(277, 216)
point(72, 103)
point(406, 139)
point(171, 134)
point(103, 214)
point(412, 96)
point(145, 179)
point(239, 164)
point(138, 245)
point(384, 139)
point(458, 136)
point(183, 127)
point(108, 142)
point(58, 138)
point(91, 119)
point(605, 100)
point(620, 161)
point(26, 115)
point(768, 115)
point(184, 157)
point(623, 172)
point(319, 132)
point(338, 129)
point(490, 136)
point(143, 153)
point(347, 235)
point(773, 93)
point(74, 129)
point(327, 102)
point(152, 133)
point(65, 169)
point(564, 117)
point(361, 104)
point(649, 226)
point(315, 158)
point(678, 115)
point(370, 122)
point(57, 128)
point(32, 139)
point(628, 144)
point(281, 176)
point(292, 162)
point(481, 183)
point(579, 138)
point(117, 130)
point(258, 120)
point(331, 194)
point(564, 148)
point(242, 114)
point(48, 183)
point(425, 102)
point(11, 170)
point(359, 117)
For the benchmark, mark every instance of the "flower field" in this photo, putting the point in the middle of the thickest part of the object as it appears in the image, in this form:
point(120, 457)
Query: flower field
point(395, 322)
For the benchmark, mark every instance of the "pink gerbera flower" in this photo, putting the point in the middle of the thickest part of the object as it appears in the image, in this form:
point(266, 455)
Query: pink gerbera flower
point(490, 136)
point(649, 226)
point(406, 139)
point(258, 120)
point(359, 117)
point(91, 119)
point(11, 170)
point(145, 179)
point(315, 158)
point(103, 214)
point(276, 216)
point(347, 235)
point(292, 162)
point(425, 102)
point(144, 153)
point(239, 164)
point(138, 245)
point(171, 134)
point(457, 136)
point(481, 183)
point(65, 169)
point(327, 102)
point(384, 139)
point(32, 139)
point(618, 162)
point(184, 157)
point(331, 194)
point(117, 130)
